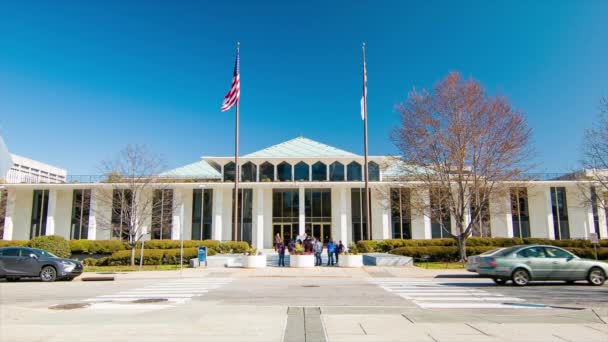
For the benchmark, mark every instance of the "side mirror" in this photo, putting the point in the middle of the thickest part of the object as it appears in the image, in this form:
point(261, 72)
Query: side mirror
point(33, 256)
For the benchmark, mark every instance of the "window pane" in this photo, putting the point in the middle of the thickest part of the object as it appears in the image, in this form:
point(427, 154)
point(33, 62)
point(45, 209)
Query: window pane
point(354, 172)
point(301, 172)
point(319, 172)
point(229, 172)
point(248, 172)
point(336, 172)
point(374, 171)
point(267, 172)
point(284, 172)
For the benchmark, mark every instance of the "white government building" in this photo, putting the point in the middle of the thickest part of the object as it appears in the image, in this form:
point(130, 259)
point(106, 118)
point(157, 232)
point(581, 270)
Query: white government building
point(294, 187)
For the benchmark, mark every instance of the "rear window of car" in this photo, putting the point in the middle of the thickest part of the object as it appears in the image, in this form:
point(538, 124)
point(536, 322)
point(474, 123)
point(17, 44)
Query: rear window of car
point(491, 251)
point(10, 252)
point(506, 251)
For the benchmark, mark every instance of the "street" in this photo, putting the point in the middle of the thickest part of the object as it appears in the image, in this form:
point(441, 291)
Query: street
point(321, 304)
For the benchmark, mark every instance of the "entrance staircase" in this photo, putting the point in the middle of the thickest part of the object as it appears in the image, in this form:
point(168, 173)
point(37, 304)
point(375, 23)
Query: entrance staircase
point(272, 257)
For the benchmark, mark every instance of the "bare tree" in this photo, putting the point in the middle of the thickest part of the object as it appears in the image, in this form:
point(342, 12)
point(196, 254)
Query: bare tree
point(595, 160)
point(460, 145)
point(137, 197)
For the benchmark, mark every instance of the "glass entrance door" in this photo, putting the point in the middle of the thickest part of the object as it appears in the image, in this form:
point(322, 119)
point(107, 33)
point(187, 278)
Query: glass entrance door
point(287, 231)
point(321, 231)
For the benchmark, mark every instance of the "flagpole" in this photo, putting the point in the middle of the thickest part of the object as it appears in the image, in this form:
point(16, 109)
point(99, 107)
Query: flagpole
point(236, 163)
point(367, 193)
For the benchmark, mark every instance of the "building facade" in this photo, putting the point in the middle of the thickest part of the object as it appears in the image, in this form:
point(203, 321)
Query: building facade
point(299, 186)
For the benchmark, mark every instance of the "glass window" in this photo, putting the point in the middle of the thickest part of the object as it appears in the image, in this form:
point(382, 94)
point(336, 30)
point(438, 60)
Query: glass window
point(245, 215)
point(532, 252)
point(284, 172)
point(519, 213)
point(319, 171)
point(285, 205)
point(122, 205)
point(481, 209)
point(229, 172)
point(267, 172)
point(162, 214)
point(553, 252)
point(3, 200)
point(317, 205)
point(400, 213)
point(14, 252)
point(248, 172)
point(560, 213)
point(374, 171)
point(39, 213)
point(202, 214)
point(358, 214)
point(441, 222)
point(336, 172)
point(81, 207)
point(353, 172)
point(301, 172)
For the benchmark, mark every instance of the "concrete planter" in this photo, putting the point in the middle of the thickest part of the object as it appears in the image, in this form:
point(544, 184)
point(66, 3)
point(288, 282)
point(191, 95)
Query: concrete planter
point(254, 261)
point(350, 260)
point(302, 260)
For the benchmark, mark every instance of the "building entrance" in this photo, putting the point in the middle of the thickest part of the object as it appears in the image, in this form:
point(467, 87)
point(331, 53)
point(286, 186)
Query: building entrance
point(321, 231)
point(287, 231)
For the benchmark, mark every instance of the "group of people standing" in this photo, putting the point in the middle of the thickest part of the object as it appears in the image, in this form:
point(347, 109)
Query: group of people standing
point(311, 245)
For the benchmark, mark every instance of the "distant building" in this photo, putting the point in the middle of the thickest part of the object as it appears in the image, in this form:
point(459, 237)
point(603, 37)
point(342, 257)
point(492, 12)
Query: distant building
point(25, 170)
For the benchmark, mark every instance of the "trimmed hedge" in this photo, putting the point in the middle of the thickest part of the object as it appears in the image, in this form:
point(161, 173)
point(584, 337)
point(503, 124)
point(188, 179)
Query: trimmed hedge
point(52, 243)
point(236, 247)
point(386, 246)
point(151, 257)
point(444, 253)
point(13, 243)
point(97, 246)
point(172, 244)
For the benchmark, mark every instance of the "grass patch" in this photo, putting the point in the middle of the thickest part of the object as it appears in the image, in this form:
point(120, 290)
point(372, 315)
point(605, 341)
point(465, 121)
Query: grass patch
point(437, 265)
point(131, 268)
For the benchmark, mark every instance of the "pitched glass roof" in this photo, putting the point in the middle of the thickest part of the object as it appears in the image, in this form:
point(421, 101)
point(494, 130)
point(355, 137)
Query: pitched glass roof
point(300, 148)
point(200, 169)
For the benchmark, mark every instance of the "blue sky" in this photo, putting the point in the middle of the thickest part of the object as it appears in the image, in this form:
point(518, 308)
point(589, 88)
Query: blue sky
point(80, 80)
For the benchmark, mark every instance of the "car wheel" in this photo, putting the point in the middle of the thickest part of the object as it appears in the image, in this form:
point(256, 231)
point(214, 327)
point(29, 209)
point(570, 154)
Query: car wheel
point(520, 277)
point(499, 281)
point(48, 273)
point(596, 276)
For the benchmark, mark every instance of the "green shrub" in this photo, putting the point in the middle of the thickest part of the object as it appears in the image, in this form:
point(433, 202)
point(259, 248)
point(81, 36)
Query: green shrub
point(589, 253)
point(52, 243)
point(439, 253)
point(234, 247)
point(89, 261)
point(367, 246)
point(172, 244)
point(97, 246)
point(151, 257)
point(13, 243)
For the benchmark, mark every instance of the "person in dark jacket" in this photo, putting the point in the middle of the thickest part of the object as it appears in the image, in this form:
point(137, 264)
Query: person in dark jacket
point(339, 249)
point(291, 246)
point(308, 246)
point(331, 249)
point(281, 251)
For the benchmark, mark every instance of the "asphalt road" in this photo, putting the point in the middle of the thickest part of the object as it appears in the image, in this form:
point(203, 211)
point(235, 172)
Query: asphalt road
point(234, 305)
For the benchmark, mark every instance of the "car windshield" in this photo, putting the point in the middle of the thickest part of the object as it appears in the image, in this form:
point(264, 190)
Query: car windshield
point(42, 253)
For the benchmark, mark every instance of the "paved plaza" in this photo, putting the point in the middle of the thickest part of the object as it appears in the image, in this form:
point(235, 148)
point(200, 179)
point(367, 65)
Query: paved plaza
point(283, 304)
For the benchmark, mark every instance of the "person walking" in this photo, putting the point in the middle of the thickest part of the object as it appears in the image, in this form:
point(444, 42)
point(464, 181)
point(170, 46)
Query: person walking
point(277, 239)
point(281, 251)
point(318, 246)
point(331, 249)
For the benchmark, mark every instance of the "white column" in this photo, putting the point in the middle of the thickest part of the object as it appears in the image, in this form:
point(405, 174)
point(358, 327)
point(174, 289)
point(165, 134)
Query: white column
point(274, 166)
point(603, 228)
point(343, 217)
point(51, 212)
point(501, 222)
point(218, 208)
point(421, 220)
point(92, 231)
point(385, 207)
point(258, 241)
point(10, 213)
point(302, 211)
point(547, 202)
point(178, 213)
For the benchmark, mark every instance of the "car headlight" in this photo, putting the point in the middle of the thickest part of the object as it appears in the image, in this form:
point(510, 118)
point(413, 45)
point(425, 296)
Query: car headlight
point(68, 266)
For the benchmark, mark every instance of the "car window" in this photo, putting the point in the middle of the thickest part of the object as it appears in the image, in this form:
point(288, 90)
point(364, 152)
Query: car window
point(10, 252)
point(553, 252)
point(42, 253)
point(506, 251)
point(491, 251)
point(532, 252)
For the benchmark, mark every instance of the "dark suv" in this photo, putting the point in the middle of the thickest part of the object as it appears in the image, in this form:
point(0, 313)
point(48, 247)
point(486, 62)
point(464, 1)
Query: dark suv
point(18, 262)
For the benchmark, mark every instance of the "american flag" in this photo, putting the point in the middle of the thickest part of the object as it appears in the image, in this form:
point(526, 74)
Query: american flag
point(235, 89)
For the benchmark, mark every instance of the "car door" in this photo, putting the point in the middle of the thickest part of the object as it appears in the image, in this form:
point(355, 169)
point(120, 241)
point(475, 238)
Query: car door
point(564, 266)
point(9, 261)
point(536, 260)
point(28, 263)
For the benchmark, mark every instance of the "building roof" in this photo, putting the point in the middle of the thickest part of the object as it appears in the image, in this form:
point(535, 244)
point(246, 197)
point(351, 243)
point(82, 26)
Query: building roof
point(397, 168)
point(300, 148)
point(199, 170)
